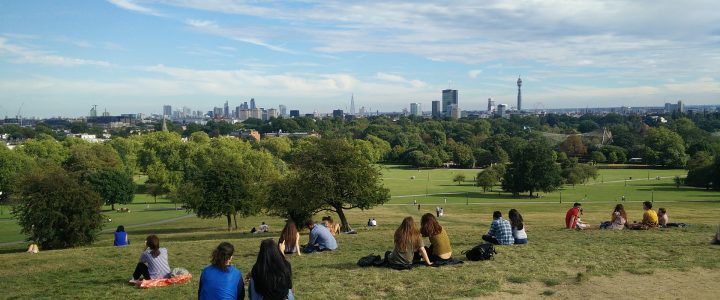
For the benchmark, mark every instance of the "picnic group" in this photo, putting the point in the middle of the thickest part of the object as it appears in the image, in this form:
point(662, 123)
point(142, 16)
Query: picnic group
point(271, 275)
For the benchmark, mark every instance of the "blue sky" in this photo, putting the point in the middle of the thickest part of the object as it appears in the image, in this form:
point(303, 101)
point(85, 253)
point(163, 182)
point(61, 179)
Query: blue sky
point(128, 56)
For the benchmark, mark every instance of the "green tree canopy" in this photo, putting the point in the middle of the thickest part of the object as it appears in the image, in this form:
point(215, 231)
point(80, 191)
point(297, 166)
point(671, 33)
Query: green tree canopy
point(532, 169)
point(114, 186)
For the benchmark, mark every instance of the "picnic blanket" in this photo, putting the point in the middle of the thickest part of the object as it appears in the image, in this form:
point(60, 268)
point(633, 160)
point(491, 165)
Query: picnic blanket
point(152, 283)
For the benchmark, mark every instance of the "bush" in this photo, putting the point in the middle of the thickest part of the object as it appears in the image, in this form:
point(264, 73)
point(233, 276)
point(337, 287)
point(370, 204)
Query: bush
point(55, 211)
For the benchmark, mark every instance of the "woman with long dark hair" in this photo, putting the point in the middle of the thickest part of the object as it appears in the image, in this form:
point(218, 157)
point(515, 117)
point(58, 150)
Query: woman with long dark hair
point(289, 241)
point(271, 276)
point(407, 242)
point(439, 242)
point(221, 280)
point(517, 225)
point(153, 262)
point(121, 238)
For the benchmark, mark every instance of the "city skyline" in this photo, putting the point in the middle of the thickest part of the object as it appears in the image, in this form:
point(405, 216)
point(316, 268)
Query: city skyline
point(127, 56)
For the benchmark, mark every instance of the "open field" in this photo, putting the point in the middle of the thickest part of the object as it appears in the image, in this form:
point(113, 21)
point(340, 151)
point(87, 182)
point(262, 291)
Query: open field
point(557, 262)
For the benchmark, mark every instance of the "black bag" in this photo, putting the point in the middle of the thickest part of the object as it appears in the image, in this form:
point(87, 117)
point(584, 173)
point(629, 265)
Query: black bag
point(371, 260)
point(480, 252)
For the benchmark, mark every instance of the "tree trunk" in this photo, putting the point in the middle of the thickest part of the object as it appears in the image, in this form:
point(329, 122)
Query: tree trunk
point(112, 206)
point(235, 220)
point(229, 220)
point(344, 225)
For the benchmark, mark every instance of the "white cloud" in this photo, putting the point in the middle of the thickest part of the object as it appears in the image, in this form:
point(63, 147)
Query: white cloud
point(245, 35)
point(399, 79)
point(474, 73)
point(19, 54)
point(132, 6)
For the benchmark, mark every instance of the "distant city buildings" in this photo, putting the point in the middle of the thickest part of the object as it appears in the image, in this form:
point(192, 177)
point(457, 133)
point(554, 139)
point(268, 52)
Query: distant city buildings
point(671, 107)
point(294, 113)
point(337, 113)
point(436, 109)
point(449, 97)
point(502, 110)
point(491, 105)
point(415, 109)
point(283, 110)
point(167, 110)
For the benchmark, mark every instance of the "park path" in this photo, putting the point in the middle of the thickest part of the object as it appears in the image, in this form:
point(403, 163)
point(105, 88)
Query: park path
point(129, 226)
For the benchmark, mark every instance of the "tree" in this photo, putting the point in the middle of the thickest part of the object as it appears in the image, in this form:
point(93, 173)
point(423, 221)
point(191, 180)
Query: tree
point(489, 177)
point(532, 169)
point(668, 146)
point(573, 146)
point(114, 186)
point(339, 176)
point(576, 173)
point(56, 211)
point(462, 155)
point(598, 156)
point(292, 198)
point(12, 164)
point(459, 178)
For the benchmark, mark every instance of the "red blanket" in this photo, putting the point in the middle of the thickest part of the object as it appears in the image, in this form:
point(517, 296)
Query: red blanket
point(146, 284)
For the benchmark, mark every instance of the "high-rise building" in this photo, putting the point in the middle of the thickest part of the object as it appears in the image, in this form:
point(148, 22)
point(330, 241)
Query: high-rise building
point(352, 104)
point(519, 104)
point(256, 113)
point(272, 113)
point(491, 105)
point(294, 113)
point(252, 103)
point(93, 112)
point(454, 111)
point(218, 112)
point(415, 109)
point(283, 110)
point(436, 109)
point(362, 111)
point(226, 110)
point(681, 106)
point(502, 110)
point(337, 113)
point(167, 110)
point(449, 97)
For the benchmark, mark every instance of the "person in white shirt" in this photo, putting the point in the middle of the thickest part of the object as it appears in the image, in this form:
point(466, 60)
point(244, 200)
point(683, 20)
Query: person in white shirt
point(518, 227)
point(264, 227)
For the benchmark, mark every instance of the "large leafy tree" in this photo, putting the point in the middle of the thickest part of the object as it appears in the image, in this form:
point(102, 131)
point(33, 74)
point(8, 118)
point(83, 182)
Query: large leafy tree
point(114, 186)
point(667, 148)
point(12, 164)
point(532, 169)
point(339, 176)
point(56, 211)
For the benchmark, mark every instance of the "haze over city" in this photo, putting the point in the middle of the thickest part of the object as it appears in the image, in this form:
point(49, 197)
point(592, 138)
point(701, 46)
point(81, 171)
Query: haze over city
point(126, 56)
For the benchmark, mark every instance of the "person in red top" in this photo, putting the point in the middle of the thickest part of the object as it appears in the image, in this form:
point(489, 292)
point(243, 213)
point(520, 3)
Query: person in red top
point(572, 216)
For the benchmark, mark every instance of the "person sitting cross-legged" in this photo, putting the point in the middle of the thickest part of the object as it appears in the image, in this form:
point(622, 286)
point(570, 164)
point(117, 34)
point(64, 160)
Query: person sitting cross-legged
point(500, 231)
point(320, 238)
point(221, 280)
point(153, 262)
point(439, 241)
point(407, 242)
point(649, 220)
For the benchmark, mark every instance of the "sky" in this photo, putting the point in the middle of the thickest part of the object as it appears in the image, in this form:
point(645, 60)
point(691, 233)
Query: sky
point(58, 58)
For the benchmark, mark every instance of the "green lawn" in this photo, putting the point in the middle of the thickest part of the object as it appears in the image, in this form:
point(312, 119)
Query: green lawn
point(554, 260)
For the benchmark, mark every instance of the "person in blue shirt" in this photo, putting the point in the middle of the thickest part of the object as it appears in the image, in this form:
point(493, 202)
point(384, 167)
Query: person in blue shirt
point(121, 238)
point(271, 276)
point(220, 280)
point(320, 238)
point(500, 231)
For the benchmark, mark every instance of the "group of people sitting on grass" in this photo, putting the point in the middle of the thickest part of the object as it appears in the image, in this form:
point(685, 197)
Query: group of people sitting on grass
point(504, 232)
point(619, 218)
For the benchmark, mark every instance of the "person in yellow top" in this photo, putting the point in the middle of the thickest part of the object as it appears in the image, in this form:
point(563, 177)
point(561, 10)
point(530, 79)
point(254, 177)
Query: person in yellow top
point(439, 249)
point(650, 218)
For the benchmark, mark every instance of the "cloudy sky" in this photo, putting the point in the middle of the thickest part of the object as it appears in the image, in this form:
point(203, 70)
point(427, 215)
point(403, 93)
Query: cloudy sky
point(126, 56)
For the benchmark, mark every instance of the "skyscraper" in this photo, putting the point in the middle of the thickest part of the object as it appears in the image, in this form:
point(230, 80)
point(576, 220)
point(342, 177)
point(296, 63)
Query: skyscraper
point(283, 110)
point(436, 109)
point(415, 109)
point(491, 105)
point(167, 110)
point(352, 104)
point(337, 113)
point(294, 113)
point(252, 103)
point(519, 105)
point(449, 97)
point(226, 110)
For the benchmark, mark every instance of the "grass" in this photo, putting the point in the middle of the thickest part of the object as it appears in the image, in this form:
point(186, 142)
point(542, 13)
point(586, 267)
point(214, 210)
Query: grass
point(554, 257)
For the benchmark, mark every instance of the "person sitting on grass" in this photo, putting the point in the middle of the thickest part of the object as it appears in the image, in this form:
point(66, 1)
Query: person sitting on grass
point(407, 241)
point(572, 216)
point(518, 227)
point(500, 232)
point(33, 248)
point(333, 227)
point(320, 238)
point(439, 241)
point(121, 238)
point(373, 222)
point(264, 227)
point(650, 218)
point(289, 241)
point(618, 219)
point(663, 219)
point(153, 262)
point(271, 276)
point(221, 280)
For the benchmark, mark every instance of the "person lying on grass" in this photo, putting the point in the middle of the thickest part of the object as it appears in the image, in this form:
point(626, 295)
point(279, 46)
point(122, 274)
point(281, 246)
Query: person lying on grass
point(618, 219)
point(407, 241)
point(650, 218)
point(439, 241)
point(518, 227)
point(271, 276)
point(320, 238)
point(289, 241)
point(221, 280)
point(500, 232)
point(153, 262)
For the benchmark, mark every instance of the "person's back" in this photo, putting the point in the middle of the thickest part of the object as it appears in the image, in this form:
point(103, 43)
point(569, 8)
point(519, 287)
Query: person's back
point(321, 235)
point(441, 244)
point(216, 284)
point(501, 230)
point(618, 221)
point(120, 238)
point(571, 217)
point(158, 266)
point(650, 218)
point(254, 295)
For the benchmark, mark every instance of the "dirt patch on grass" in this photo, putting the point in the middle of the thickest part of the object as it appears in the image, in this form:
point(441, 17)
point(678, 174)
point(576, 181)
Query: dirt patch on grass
point(666, 284)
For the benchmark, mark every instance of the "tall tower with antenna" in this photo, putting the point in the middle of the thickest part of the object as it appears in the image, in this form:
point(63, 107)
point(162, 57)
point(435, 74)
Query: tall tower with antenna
point(352, 104)
point(519, 104)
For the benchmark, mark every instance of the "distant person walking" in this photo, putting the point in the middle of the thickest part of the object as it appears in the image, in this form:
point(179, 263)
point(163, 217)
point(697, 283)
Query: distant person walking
point(221, 280)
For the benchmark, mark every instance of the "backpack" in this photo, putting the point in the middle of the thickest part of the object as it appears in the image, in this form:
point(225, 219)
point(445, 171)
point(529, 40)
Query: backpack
point(480, 252)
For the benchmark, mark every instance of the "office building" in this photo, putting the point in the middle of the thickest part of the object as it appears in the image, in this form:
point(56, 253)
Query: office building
point(491, 105)
point(415, 109)
point(449, 97)
point(272, 113)
point(337, 113)
point(454, 111)
point(283, 110)
point(167, 110)
point(226, 110)
point(252, 103)
point(502, 110)
point(294, 113)
point(436, 109)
